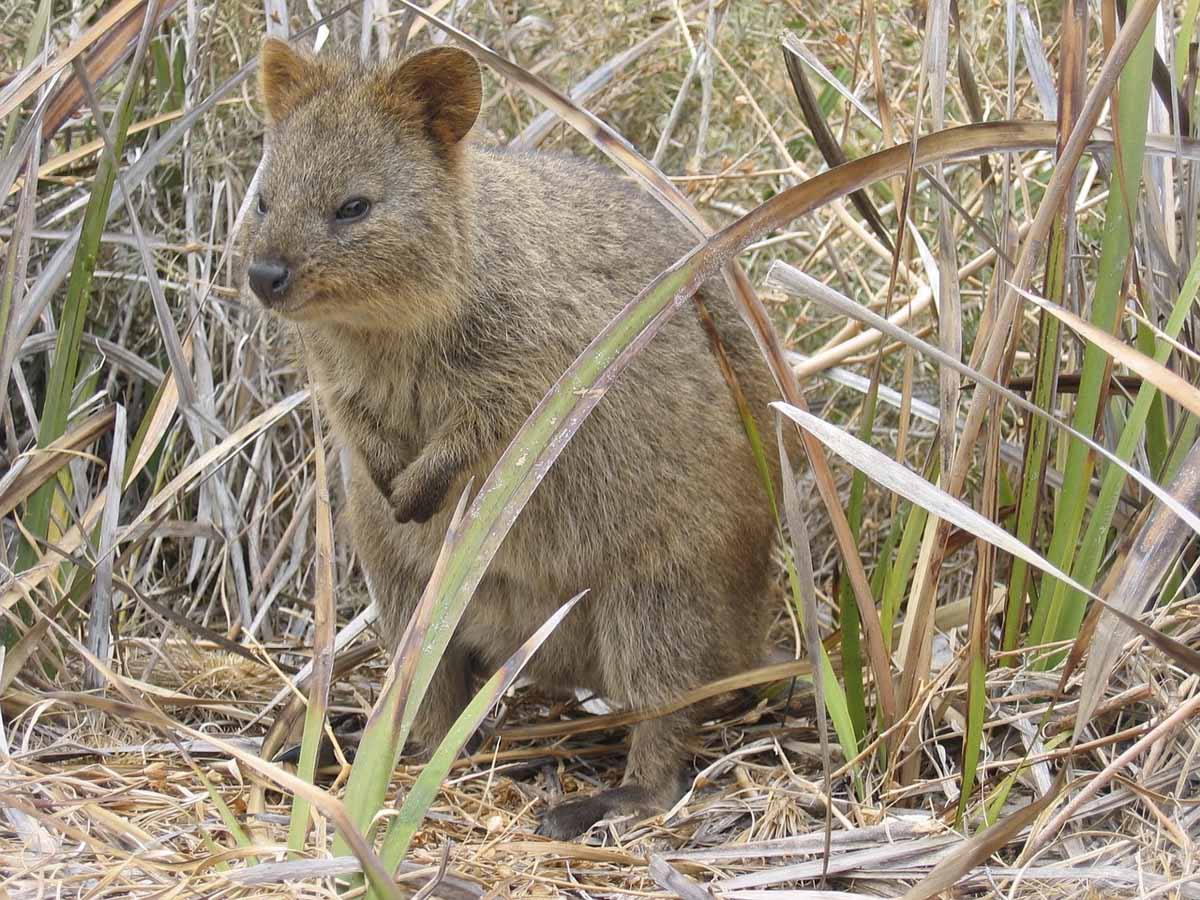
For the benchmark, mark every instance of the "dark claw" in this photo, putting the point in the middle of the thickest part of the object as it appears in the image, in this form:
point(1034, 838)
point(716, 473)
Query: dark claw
point(420, 516)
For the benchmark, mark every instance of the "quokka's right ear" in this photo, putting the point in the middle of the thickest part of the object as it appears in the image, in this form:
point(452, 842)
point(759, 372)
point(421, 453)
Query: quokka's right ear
point(286, 78)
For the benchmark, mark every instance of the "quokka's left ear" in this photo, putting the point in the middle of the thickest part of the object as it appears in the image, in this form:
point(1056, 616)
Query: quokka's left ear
point(443, 86)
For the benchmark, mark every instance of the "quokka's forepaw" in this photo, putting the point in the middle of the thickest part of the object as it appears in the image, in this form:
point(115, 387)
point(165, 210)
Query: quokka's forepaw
point(414, 498)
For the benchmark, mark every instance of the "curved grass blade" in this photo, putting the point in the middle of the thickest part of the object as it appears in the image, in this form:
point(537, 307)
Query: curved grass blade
point(470, 549)
point(769, 344)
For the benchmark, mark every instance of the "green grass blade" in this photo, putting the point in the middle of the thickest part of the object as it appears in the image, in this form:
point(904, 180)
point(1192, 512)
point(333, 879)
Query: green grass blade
point(423, 792)
point(1134, 93)
point(852, 664)
point(1037, 444)
point(1095, 538)
point(900, 571)
point(61, 382)
point(323, 629)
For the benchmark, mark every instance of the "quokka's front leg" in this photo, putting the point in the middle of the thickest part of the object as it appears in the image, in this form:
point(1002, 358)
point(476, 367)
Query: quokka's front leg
point(419, 491)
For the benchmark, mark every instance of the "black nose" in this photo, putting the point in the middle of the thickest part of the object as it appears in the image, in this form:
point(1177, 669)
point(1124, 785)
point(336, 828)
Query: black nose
point(269, 279)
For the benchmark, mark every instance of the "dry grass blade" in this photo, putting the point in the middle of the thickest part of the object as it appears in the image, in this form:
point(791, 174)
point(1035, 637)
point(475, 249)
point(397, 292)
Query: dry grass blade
point(108, 53)
point(1180, 652)
point(976, 850)
point(895, 477)
point(19, 153)
point(100, 614)
point(802, 560)
point(1039, 66)
point(794, 281)
point(381, 881)
point(20, 90)
point(216, 455)
point(147, 441)
point(324, 625)
point(1171, 384)
point(799, 668)
point(1155, 550)
point(671, 879)
point(41, 465)
point(1169, 723)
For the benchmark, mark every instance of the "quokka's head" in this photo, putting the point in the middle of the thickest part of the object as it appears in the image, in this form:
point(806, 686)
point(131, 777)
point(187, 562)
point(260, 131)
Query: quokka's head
point(360, 214)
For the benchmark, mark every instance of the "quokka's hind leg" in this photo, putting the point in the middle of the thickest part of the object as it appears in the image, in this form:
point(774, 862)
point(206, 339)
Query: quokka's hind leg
point(654, 780)
point(398, 590)
point(655, 642)
point(448, 695)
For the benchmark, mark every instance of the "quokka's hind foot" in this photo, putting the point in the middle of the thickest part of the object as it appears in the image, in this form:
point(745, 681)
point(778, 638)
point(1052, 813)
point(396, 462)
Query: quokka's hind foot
point(571, 818)
point(654, 780)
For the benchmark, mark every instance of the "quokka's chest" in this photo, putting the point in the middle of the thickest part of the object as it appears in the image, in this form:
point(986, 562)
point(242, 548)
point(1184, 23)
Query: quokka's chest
point(396, 407)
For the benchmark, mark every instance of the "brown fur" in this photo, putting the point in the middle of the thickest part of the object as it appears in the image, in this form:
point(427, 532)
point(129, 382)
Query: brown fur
point(434, 326)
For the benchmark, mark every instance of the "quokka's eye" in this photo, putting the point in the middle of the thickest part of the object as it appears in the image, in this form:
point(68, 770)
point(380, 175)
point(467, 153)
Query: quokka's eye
point(262, 205)
point(354, 209)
